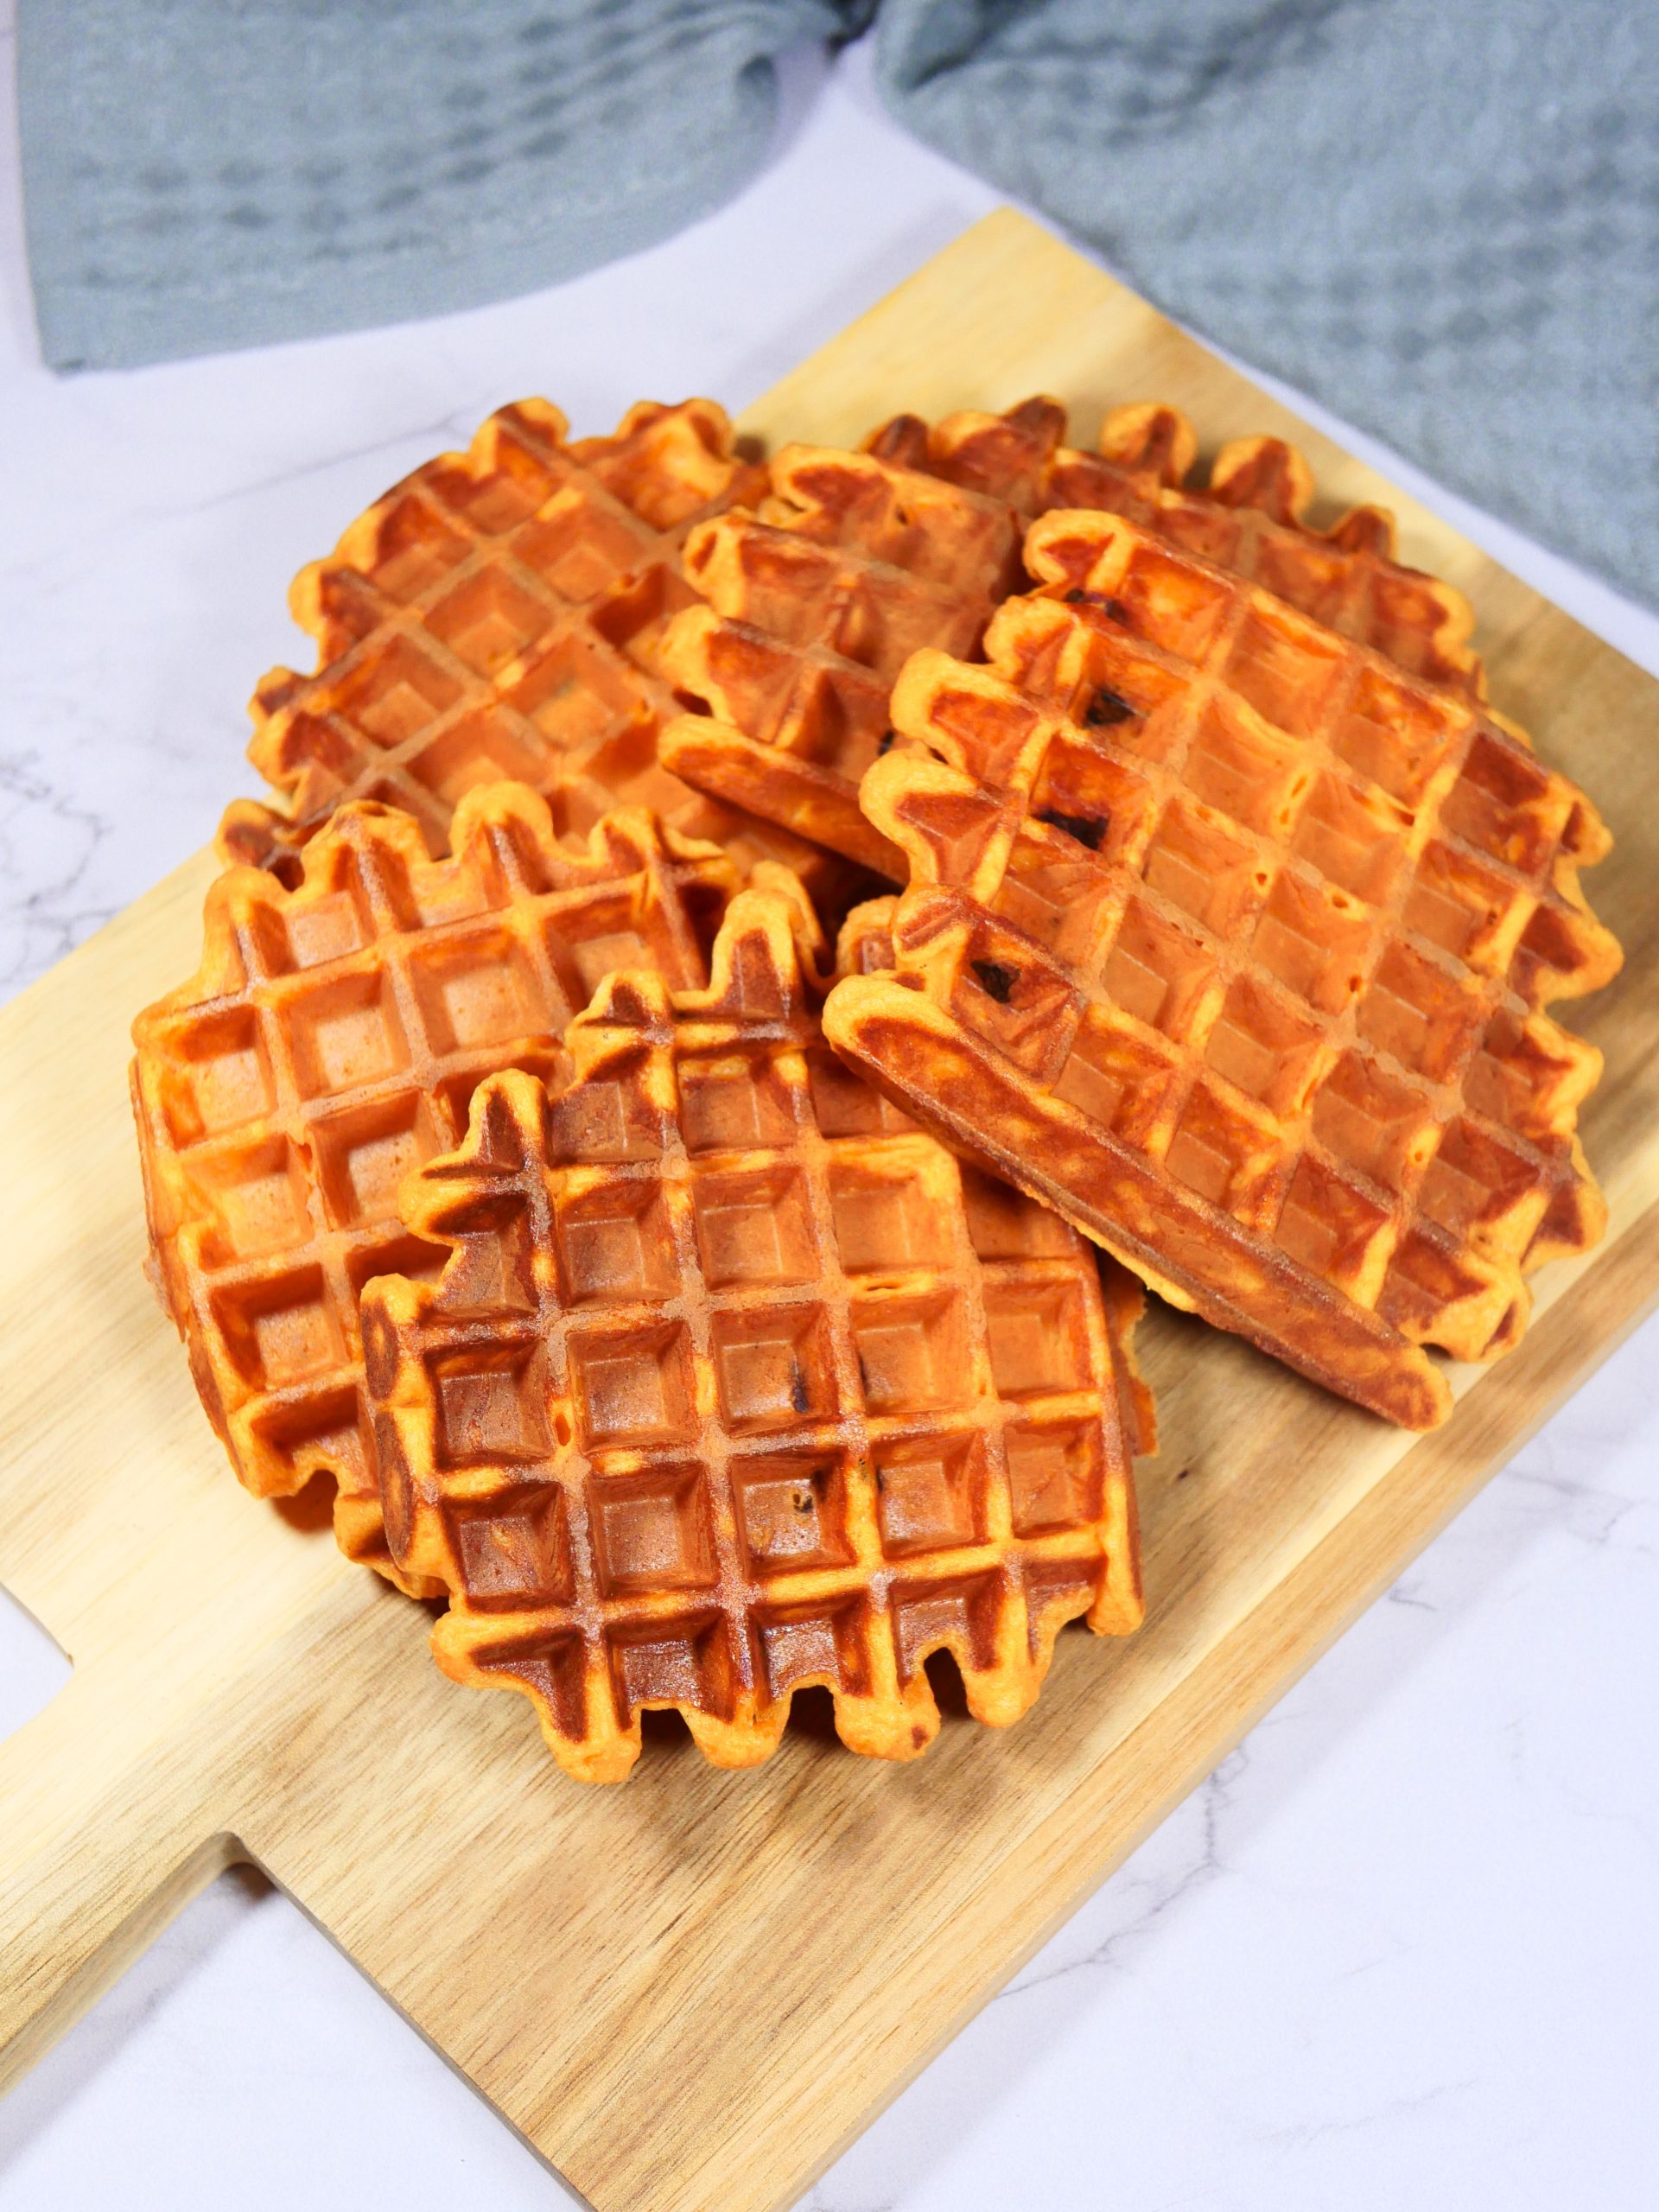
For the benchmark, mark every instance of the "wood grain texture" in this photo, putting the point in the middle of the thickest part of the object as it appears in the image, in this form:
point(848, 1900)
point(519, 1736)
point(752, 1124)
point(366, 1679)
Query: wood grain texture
point(690, 1992)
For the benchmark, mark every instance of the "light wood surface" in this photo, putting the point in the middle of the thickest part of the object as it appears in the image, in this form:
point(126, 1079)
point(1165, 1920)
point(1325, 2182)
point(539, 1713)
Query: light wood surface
point(688, 1993)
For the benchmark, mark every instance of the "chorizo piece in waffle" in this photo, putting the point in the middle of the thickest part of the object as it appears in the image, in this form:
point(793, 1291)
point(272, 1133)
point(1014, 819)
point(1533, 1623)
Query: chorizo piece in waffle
point(497, 616)
point(813, 605)
point(735, 1382)
point(330, 1040)
point(1232, 941)
point(1250, 517)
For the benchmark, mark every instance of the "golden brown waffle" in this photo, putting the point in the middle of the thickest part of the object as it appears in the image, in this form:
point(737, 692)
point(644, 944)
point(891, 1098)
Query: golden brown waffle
point(498, 614)
point(1229, 941)
point(734, 1382)
point(1250, 517)
point(855, 561)
point(330, 1041)
point(814, 604)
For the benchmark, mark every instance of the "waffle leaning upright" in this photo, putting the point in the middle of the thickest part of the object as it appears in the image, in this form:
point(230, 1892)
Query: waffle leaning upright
point(1232, 941)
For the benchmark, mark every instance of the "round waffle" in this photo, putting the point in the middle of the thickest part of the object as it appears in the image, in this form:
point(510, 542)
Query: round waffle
point(735, 1382)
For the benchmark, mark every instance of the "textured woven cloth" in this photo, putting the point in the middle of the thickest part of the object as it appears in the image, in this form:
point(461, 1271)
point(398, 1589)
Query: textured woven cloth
point(1442, 220)
point(204, 174)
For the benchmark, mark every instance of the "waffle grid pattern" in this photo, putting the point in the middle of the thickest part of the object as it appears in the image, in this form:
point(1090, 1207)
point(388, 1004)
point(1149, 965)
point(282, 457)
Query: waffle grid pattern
point(498, 615)
point(736, 1383)
point(330, 1041)
point(1275, 921)
point(814, 604)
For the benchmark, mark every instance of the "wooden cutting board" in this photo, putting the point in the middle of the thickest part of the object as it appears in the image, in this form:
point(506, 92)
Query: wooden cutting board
point(690, 1992)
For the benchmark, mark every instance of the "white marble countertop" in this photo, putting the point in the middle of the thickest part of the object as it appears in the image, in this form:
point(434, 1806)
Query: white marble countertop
point(1402, 1948)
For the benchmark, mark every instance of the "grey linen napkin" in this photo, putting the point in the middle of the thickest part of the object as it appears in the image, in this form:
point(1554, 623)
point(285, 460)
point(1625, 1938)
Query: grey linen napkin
point(1441, 219)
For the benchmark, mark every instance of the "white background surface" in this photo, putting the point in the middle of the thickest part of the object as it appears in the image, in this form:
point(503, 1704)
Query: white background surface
point(1401, 1950)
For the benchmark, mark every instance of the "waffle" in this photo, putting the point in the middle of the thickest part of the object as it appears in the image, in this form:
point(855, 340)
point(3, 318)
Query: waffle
point(331, 1039)
point(498, 614)
point(735, 1382)
point(1250, 519)
point(814, 604)
point(1231, 941)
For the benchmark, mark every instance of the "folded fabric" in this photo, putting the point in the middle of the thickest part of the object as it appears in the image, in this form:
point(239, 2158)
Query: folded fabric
point(1442, 221)
point(199, 176)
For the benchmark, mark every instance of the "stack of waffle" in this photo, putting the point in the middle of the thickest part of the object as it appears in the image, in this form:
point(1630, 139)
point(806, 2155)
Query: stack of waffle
point(707, 1304)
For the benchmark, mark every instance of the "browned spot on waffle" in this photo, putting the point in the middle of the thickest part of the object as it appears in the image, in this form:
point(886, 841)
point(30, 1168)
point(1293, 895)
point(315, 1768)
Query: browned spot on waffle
point(735, 1382)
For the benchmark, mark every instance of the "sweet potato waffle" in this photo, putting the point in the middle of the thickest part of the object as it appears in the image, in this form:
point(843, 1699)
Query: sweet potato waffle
point(735, 1382)
point(1231, 941)
point(330, 1040)
point(497, 616)
point(812, 605)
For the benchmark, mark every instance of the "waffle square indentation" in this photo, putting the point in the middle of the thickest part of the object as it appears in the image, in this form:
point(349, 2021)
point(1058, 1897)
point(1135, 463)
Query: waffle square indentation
point(616, 1247)
point(518, 1554)
point(363, 1154)
point(886, 1217)
point(633, 1385)
point(280, 1332)
point(219, 1079)
point(911, 1350)
point(1056, 1475)
point(773, 1368)
point(733, 1102)
point(490, 1411)
point(488, 619)
point(651, 1531)
point(752, 1226)
point(346, 1034)
point(393, 691)
point(1034, 1330)
point(256, 1197)
point(791, 1510)
point(415, 547)
point(931, 1494)
point(1158, 971)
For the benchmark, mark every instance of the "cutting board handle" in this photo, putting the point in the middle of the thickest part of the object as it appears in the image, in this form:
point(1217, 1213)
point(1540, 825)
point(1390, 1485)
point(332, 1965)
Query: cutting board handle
point(101, 1841)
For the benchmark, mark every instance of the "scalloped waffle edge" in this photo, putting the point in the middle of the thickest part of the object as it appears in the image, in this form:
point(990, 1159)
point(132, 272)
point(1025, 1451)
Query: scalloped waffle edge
point(496, 614)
